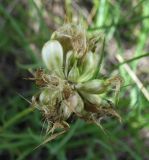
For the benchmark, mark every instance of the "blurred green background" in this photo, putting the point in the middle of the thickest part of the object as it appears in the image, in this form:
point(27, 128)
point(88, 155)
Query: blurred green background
point(25, 25)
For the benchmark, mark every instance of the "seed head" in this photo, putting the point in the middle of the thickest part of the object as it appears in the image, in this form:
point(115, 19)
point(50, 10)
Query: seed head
point(70, 87)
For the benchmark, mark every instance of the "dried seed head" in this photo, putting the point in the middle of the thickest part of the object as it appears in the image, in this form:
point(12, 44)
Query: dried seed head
point(69, 87)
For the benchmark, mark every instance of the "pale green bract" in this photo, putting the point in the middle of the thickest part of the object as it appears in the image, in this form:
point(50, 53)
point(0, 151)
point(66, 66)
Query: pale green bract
point(52, 54)
point(69, 61)
point(73, 73)
point(88, 67)
point(95, 86)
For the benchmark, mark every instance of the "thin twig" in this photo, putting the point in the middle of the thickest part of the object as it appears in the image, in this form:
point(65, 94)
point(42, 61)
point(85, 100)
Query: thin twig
point(134, 77)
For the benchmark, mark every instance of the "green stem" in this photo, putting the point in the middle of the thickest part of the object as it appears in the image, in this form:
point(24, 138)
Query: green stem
point(133, 59)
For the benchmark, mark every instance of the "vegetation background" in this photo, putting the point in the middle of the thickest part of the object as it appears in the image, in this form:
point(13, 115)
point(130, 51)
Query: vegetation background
point(25, 25)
